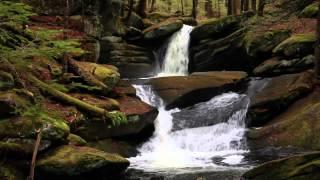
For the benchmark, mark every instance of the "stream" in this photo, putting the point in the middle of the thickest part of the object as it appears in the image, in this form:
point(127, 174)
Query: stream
point(204, 141)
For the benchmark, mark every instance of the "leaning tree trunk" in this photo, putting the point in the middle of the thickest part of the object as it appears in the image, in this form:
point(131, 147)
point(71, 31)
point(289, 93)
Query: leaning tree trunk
point(141, 8)
point(317, 49)
point(194, 8)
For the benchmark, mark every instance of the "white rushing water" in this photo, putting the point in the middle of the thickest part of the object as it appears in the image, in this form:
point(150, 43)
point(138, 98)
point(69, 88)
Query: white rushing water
point(192, 147)
point(176, 59)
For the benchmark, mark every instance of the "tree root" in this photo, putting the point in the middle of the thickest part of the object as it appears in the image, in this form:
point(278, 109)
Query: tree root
point(116, 118)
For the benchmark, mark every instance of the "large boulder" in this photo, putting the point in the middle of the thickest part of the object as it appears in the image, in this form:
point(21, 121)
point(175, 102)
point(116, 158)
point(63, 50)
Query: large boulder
point(277, 66)
point(303, 166)
point(259, 45)
point(115, 146)
point(297, 45)
point(162, 30)
point(298, 126)
point(181, 91)
point(70, 161)
point(215, 28)
point(278, 95)
point(53, 129)
point(225, 53)
point(140, 118)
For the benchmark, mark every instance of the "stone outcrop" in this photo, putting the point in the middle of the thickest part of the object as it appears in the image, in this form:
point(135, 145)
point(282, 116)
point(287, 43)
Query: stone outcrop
point(131, 60)
point(280, 92)
point(303, 166)
point(180, 91)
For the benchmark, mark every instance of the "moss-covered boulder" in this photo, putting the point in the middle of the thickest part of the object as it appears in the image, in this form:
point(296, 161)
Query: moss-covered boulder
point(310, 11)
point(140, 117)
point(298, 167)
point(298, 126)
point(53, 129)
point(76, 140)
point(10, 173)
point(280, 92)
point(215, 28)
point(12, 103)
point(69, 161)
point(297, 45)
point(115, 146)
point(277, 66)
point(261, 44)
point(162, 30)
point(21, 147)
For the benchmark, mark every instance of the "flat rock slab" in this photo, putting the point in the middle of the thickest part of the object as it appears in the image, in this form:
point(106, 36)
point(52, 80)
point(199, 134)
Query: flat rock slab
point(304, 166)
point(278, 95)
point(183, 91)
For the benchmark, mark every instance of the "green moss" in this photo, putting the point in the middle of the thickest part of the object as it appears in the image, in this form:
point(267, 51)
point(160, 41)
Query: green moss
point(73, 161)
point(297, 45)
point(9, 173)
point(25, 126)
point(261, 44)
point(15, 12)
point(118, 118)
point(310, 11)
point(76, 140)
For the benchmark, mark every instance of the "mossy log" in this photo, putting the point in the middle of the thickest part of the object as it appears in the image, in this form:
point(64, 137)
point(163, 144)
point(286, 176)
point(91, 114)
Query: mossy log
point(116, 117)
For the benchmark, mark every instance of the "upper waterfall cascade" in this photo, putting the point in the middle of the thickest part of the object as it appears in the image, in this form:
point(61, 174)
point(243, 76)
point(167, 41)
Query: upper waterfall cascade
point(176, 58)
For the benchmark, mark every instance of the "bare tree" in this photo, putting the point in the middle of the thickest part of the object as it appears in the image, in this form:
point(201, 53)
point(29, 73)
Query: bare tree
point(153, 2)
point(130, 9)
point(208, 8)
point(229, 6)
point(317, 49)
point(236, 7)
point(141, 8)
point(194, 8)
point(182, 7)
point(261, 5)
point(254, 5)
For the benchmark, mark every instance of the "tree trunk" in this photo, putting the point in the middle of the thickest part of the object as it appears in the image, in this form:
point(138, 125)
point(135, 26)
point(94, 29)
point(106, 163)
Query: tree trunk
point(317, 49)
point(141, 8)
point(236, 7)
point(194, 8)
point(261, 5)
point(246, 5)
point(229, 7)
point(208, 8)
point(130, 10)
point(254, 5)
point(152, 5)
point(182, 7)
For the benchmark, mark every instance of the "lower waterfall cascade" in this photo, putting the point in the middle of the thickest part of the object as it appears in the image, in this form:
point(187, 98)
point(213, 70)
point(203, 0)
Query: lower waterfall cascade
point(191, 147)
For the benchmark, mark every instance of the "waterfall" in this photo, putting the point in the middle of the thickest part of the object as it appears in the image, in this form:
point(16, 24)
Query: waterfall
point(176, 58)
point(193, 147)
point(183, 142)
